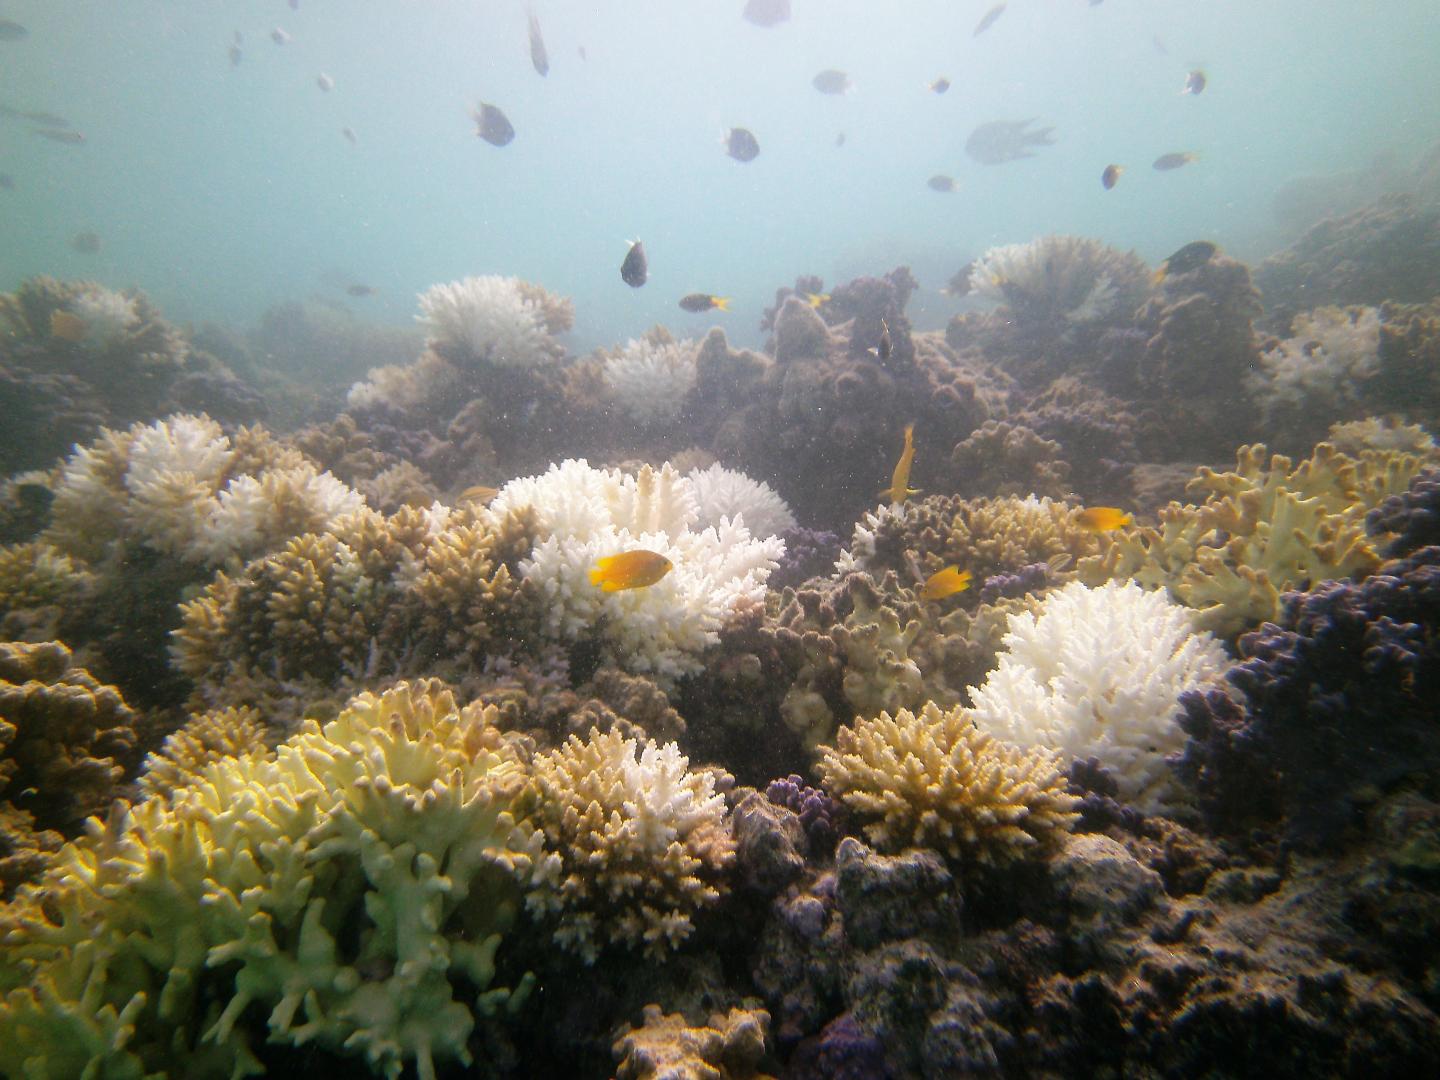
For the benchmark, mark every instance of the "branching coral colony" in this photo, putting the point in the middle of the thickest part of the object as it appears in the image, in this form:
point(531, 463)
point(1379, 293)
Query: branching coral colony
point(1062, 780)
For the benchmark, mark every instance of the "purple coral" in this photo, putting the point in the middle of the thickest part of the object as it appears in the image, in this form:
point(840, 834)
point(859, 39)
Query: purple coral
point(1025, 580)
point(1413, 517)
point(843, 1051)
point(1341, 694)
point(808, 553)
point(821, 816)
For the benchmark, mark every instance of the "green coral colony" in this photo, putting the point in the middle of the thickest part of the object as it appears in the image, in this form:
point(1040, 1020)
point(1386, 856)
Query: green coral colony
point(680, 736)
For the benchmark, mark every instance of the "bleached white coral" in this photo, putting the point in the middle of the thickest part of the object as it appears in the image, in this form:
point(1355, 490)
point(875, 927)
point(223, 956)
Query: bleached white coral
point(1332, 352)
point(168, 485)
point(106, 315)
point(487, 318)
point(1059, 279)
point(650, 379)
point(719, 572)
point(725, 493)
point(1098, 673)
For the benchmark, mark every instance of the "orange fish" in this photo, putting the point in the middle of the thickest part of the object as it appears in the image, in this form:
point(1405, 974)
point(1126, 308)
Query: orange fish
point(1102, 519)
point(630, 570)
point(945, 583)
point(815, 299)
point(900, 489)
point(67, 327)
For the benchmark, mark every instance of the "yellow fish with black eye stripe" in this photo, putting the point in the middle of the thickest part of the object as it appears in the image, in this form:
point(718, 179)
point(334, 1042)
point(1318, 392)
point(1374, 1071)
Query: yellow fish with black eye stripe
point(630, 570)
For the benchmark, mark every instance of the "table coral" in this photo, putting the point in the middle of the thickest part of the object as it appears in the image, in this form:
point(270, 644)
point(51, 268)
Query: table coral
point(932, 779)
point(346, 886)
point(641, 840)
point(667, 1047)
point(1099, 672)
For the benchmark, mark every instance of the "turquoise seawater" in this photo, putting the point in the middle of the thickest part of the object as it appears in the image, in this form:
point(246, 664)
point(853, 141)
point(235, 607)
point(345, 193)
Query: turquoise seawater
point(224, 189)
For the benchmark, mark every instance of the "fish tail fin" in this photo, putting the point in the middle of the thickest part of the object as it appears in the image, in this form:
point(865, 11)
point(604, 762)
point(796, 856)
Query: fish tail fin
point(721, 302)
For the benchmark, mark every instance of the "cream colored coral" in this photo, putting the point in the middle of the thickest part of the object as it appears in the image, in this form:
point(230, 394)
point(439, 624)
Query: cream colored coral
point(207, 737)
point(641, 839)
point(315, 891)
point(933, 780)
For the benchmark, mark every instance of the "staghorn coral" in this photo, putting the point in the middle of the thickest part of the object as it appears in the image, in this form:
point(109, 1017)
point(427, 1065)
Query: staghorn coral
point(65, 739)
point(39, 576)
point(346, 887)
point(641, 843)
point(931, 779)
point(666, 1047)
point(719, 572)
point(1264, 528)
point(420, 592)
point(1099, 673)
point(204, 738)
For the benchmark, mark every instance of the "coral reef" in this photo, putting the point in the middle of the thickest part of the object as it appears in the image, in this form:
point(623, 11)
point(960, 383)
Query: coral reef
point(724, 493)
point(651, 377)
point(82, 356)
point(326, 885)
point(1264, 528)
point(420, 592)
point(1340, 691)
point(640, 840)
point(719, 572)
point(931, 779)
point(204, 738)
point(666, 1047)
point(1099, 673)
point(1389, 250)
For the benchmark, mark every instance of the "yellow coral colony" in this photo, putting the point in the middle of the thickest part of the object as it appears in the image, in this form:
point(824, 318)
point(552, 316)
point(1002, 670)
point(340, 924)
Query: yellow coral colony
point(932, 780)
point(323, 883)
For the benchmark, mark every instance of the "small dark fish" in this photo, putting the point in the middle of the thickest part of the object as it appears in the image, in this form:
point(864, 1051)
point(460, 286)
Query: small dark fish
point(831, 81)
point(12, 31)
point(86, 243)
point(350, 136)
point(988, 19)
point(1194, 82)
point(1001, 141)
point(325, 82)
point(278, 36)
point(938, 86)
point(840, 139)
point(1190, 257)
point(235, 55)
point(492, 125)
point(741, 144)
point(7, 182)
point(635, 270)
point(883, 347)
point(72, 138)
point(360, 290)
point(766, 12)
point(1111, 176)
point(1166, 162)
point(941, 182)
point(538, 56)
point(699, 301)
point(45, 119)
